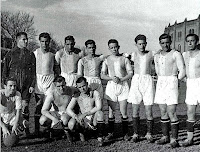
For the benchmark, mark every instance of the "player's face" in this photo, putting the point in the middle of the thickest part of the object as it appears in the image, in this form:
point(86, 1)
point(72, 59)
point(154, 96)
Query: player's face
point(191, 42)
point(60, 87)
point(69, 45)
point(165, 44)
point(82, 87)
point(114, 48)
point(44, 43)
point(91, 48)
point(141, 45)
point(10, 87)
point(22, 41)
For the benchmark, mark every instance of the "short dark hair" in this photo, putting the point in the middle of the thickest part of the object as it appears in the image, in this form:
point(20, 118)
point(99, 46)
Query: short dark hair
point(10, 79)
point(192, 34)
point(165, 36)
point(90, 42)
point(140, 37)
point(59, 79)
point(69, 37)
point(81, 79)
point(113, 41)
point(20, 34)
point(45, 35)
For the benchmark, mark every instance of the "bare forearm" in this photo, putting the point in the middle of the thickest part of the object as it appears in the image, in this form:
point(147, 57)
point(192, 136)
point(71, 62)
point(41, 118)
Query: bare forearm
point(129, 76)
point(47, 114)
point(105, 77)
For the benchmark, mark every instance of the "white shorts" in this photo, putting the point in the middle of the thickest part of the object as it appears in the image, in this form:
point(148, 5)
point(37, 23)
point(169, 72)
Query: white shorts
point(95, 82)
point(167, 90)
point(43, 83)
point(8, 118)
point(70, 79)
point(193, 91)
point(116, 92)
point(142, 89)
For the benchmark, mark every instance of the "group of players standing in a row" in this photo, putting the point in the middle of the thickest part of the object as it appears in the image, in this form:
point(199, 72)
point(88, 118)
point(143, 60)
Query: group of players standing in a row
point(73, 77)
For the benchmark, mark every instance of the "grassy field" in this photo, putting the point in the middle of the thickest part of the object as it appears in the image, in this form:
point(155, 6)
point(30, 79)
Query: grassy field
point(39, 145)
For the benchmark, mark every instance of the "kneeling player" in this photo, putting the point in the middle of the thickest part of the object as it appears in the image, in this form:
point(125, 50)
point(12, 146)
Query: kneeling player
point(90, 107)
point(55, 105)
point(10, 110)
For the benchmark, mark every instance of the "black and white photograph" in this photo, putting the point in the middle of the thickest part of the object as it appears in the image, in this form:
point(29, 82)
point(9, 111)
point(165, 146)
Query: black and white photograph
point(100, 76)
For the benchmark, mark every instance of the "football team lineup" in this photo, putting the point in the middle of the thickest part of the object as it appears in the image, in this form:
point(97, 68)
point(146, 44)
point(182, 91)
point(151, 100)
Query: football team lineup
point(70, 100)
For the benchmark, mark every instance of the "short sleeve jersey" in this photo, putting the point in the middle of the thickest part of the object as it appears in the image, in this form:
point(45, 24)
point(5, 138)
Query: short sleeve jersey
point(10, 104)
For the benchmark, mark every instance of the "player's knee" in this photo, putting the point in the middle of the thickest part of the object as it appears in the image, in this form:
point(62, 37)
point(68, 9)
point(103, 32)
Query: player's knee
point(99, 115)
point(135, 113)
point(149, 115)
point(42, 120)
point(191, 114)
point(172, 116)
point(65, 118)
point(71, 124)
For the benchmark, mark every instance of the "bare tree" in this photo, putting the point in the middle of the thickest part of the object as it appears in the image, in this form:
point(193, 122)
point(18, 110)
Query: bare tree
point(12, 23)
point(55, 45)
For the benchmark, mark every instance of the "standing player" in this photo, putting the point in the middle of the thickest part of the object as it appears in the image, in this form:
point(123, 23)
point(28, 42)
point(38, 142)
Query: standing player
point(89, 66)
point(10, 108)
point(142, 87)
point(117, 70)
point(68, 58)
point(192, 61)
point(91, 114)
point(55, 105)
point(20, 64)
point(44, 70)
point(170, 67)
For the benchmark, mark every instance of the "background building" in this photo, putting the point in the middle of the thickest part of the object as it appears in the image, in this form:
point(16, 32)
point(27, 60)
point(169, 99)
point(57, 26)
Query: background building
point(178, 32)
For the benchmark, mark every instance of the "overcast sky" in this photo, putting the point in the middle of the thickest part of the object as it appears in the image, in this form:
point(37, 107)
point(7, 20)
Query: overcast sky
point(102, 20)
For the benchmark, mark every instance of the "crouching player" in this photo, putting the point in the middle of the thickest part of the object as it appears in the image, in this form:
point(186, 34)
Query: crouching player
point(10, 110)
point(90, 107)
point(55, 105)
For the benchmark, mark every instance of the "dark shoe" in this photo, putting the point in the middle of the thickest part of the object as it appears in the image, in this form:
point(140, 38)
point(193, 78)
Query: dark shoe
point(68, 136)
point(108, 137)
point(82, 137)
point(163, 140)
point(149, 138)
point(186, 143)
point(135, 138)
point(100, 141)
point(174, 144)
point(127, 137)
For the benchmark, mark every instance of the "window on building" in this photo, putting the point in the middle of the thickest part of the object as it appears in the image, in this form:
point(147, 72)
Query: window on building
point(179, 48)
point(172, 37)
point(179, 36)
point(191, 31)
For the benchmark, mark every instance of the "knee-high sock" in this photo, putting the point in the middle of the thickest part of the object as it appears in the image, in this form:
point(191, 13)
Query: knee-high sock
point(174, 129)
point(37, 117)
point(100, 128)
point(125, 125)
point(165, 126)
point(136, 122)
point(190, 125)
point(111, 125)
point(150, 124)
